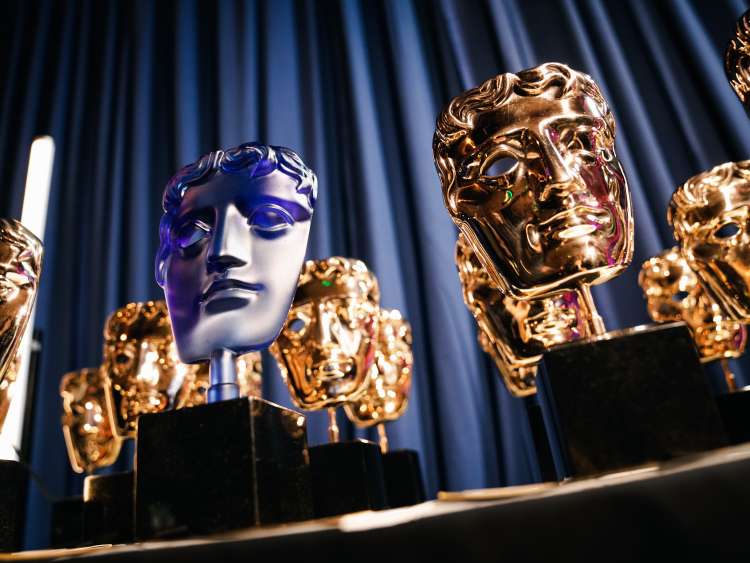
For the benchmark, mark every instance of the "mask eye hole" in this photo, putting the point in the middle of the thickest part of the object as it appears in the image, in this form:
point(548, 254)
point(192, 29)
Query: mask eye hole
point(499, 167)
point(727, 230)
point(191, 233)
point(297, 325)
point(680, 296)
point(270, 221)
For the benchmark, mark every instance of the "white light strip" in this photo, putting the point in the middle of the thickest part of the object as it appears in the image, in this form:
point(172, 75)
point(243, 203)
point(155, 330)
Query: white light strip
point(34, 218)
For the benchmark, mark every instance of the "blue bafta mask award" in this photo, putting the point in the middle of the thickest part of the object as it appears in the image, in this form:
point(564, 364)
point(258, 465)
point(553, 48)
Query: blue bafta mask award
point(232, 242)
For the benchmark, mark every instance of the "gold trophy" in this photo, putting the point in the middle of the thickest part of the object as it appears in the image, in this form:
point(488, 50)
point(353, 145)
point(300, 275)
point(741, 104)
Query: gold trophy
point(325, 352)
point(515, 333)
point(20, 266)
point(737, 60)
point(709, 215)
point(386, 400)
point(87, 422)
point(673, 293)
point(530, 177)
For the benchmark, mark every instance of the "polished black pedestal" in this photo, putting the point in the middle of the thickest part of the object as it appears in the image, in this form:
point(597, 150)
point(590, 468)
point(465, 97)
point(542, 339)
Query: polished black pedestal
point(735, 414)
point(108, 508)
point(66, 529)
point(403, 478)
point(627, 398)
point(13, 485)
point(347, 477)
point(216, 467)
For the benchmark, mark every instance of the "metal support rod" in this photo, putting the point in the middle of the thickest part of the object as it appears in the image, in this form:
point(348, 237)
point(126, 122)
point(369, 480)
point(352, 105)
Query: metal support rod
point(382, 438)
point(333, 427)
point(588, 302)
point(728, 375)
point(223, 377)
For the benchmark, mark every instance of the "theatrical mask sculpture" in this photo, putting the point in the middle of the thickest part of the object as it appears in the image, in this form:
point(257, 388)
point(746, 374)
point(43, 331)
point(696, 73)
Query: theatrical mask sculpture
point(194, 388)
point(515, 332)
point(387, 396)
point(673, 293)
point(87, 421)
point(710, 215)
point(737, 60)
point(327, 346)
point(530, 177)
point(20, 266)
point(233, 239)
point(141, 363)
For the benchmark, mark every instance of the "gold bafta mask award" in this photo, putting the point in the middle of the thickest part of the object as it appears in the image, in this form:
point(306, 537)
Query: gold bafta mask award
point(327, 346)
point(673, 293)
point(387, 396)
point(531, 178)
point(709, 214)
point(326, 352)
point(737, 60)
point(513, 332)
point(87, 421)
point(141, 363)
point(20, 266)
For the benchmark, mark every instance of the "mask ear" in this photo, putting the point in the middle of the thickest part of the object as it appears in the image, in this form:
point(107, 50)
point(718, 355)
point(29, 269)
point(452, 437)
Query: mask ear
point(160, 268)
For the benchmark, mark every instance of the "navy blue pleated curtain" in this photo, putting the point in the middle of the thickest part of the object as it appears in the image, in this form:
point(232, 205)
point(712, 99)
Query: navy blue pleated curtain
point(130, 91)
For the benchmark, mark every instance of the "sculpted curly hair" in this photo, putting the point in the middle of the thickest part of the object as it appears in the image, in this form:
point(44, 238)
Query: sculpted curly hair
point(737, 59)
point(346, 272)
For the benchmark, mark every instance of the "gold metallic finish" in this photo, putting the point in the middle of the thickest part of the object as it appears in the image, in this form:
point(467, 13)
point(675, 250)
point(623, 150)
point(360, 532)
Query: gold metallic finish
point(530, 176)
point(514, 332)
point(327, 346)
point(737, 59)
point(20, 266)
point(140, 360)
point(195, 385)
point(710, 215)
point(728, 376)
point(87, 422)
point(333, 426)
point(382, 438)
point(387, 396)
point(6, 388)
point(673, 293)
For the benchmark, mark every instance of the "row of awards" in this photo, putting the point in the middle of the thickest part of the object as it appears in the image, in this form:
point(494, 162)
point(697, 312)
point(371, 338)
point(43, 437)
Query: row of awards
point(530, 177)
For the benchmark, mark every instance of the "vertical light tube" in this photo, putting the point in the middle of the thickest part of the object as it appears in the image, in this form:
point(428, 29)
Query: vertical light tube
point(34, 218)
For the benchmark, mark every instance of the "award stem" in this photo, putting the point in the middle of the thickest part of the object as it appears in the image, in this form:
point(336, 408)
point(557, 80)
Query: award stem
point(382, 438)
point(333, 427)
point(728, 375)
point(223, 376)
point(597, 323)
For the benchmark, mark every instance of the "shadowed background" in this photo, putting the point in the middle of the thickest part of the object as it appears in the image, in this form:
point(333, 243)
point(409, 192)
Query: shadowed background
point(131, 91)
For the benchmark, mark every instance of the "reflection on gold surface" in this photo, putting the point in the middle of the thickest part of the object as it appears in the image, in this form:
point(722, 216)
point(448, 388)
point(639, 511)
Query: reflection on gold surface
point(87, 422)
point(20, 266)
point(673, 293)
point(387, 396)
point(737, 59)
point(530, 176)
point(710, 215)
point(141, 363)
point(327, 346)
point(515, 333)
point(6, 388)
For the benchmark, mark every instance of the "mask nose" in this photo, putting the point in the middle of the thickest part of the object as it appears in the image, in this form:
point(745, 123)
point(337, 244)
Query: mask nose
point(323, 323)
point(561, 180)
point(228, 245)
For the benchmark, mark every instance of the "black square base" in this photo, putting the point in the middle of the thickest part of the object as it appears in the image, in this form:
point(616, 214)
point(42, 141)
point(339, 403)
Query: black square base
point(734, 409)
point(347, 477)
point(13, 483)
point(627, 398)
point(221, 466)
point(108, 508)
point(66, 528)
point(403, 478)
point(544, 458)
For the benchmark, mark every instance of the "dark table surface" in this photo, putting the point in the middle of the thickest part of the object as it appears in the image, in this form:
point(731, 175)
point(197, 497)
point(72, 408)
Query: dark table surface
point(695, 509)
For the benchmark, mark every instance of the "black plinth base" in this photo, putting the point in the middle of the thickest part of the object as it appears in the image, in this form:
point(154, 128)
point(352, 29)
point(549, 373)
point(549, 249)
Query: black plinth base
point(347, 477)
point(66, 529)
point(403, 478)
point(216, 467)
point(627, 398)
point(735, 413)
point(108, 508)
point(541, 441)
point(13, 484)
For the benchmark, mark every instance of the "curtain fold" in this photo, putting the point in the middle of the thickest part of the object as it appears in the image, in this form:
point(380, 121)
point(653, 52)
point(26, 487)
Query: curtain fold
point(133, 91)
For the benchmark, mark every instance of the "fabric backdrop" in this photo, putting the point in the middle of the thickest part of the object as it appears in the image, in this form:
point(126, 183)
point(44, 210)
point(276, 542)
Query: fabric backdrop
point(131, 91)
